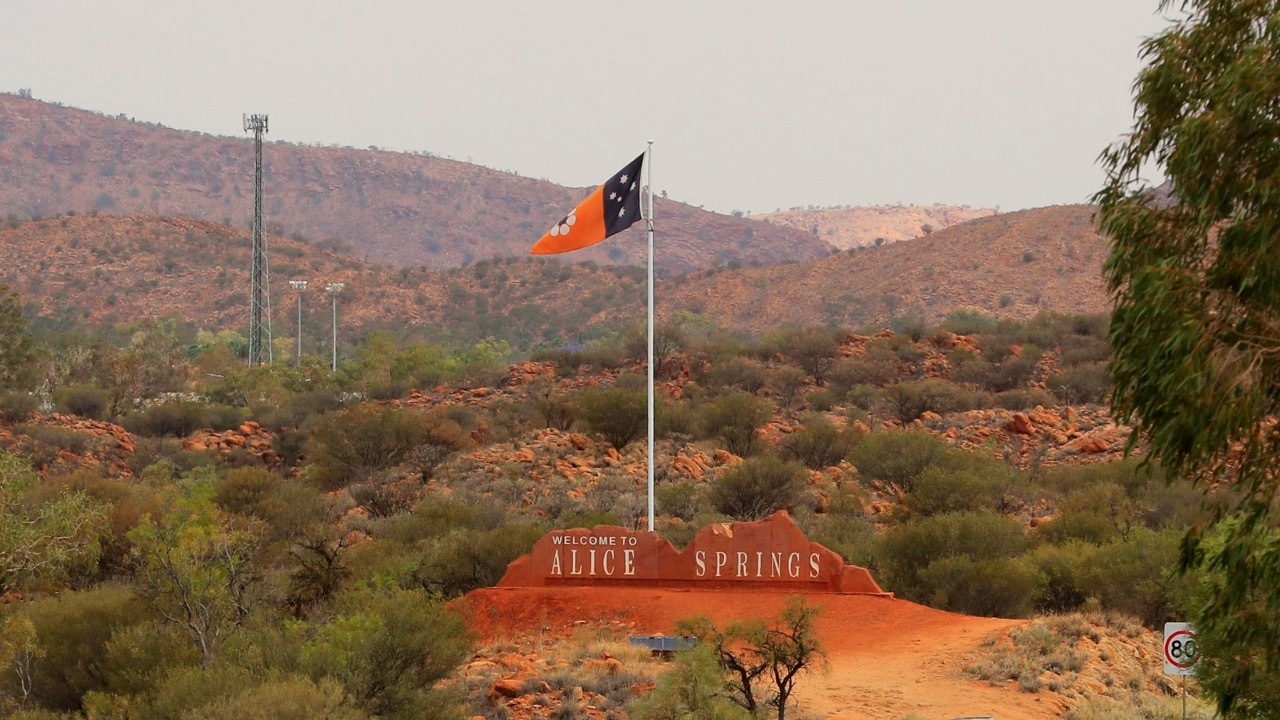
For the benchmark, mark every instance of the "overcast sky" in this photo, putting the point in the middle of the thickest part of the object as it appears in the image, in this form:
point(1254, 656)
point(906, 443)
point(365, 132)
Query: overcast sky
point(752, 105)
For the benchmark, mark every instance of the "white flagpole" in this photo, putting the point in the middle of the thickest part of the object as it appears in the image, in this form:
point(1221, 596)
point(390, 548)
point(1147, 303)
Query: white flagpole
point(649, 218)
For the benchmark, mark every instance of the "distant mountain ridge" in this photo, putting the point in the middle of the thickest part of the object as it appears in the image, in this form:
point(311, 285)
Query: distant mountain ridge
point(109, 269)
point(399, 209)
point(865, 226)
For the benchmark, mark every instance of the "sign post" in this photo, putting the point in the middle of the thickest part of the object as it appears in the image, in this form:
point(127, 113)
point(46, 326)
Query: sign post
point(1181, 653)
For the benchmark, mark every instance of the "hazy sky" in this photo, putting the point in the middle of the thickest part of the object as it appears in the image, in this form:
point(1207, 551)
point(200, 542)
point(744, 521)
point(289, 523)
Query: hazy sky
point(752, 105)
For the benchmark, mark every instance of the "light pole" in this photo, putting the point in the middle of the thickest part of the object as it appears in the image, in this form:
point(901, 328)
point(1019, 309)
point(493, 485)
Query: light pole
point(298, 286)
point(333, 289)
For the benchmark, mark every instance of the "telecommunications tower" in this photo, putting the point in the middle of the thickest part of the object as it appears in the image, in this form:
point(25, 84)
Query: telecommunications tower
point(259, 284)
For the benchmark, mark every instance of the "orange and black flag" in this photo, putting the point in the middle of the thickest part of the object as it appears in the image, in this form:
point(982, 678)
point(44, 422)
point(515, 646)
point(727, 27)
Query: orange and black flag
point(612, 208)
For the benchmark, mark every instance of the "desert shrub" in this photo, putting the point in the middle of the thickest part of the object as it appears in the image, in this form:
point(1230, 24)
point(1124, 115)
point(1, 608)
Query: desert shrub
point(87, 401)
point(968, 322)
point(786, 382)
point(863, 397)
point(819, 443)
point(674, 418)
point(814, 349)
point(244, 491)
point(1136, 575)
point(1084, 349)
point(758, 487)
point(820, 400)
point(53, 438)
point(1008, 373)
point(287, 697)
point(73, 629)
point(678, 499)
point(878, 365)
point(352, 446)
point(464, 560)
point(1024, 399)
point(619, 414)
point(170, 419)
point(735, 418)
point(994, 587)
point(979, 485)
point(908, 550)
point(898, 457)
point(389, 649)
point(224, 417)
point(1062, 567)
point(17, 406)
point(1098, 513)
point(694, 688)
point(1088, 383)
point(735, 373)
point(907, 401)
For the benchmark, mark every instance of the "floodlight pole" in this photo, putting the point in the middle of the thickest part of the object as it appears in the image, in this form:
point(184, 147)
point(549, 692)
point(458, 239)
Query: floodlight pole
point(257, 124)
point(333, 289)
point(298, 286)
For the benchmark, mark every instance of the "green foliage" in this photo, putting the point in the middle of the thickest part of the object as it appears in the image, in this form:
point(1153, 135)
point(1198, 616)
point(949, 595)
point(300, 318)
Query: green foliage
point(619, 414)
point(18, 351)
point(819, 443)
point(87, 401)
point(758, 487)
point(735, 373)
point(351, 446)
point(924, 559)
point(1088, 383)
point(72, 631)
point(786, 381)
point(898, 457)
point(693, 688)
point(16, 406)
point(735, 418)
point(982, 485)
point(388, 649)
point(815, 350)
point(761, 662)
point(1196, 282)
point(907, 401)
point(169, 419)
point(43, 543)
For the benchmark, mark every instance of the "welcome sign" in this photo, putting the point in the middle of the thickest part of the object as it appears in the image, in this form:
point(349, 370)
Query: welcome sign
point(771, 554)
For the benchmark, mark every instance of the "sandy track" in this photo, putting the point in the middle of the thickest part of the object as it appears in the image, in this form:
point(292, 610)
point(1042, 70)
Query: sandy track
point(887, 657)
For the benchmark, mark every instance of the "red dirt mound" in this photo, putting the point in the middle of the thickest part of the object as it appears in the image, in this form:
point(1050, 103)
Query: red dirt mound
point(887, 657)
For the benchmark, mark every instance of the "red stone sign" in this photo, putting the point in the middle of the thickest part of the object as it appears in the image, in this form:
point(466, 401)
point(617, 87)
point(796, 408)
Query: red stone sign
point(771, 554)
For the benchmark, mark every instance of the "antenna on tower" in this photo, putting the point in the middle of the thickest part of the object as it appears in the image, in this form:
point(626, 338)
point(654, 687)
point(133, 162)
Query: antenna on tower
point(259, 284)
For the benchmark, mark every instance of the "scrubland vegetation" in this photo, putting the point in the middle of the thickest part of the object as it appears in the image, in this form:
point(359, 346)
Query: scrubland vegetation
point(312, 579)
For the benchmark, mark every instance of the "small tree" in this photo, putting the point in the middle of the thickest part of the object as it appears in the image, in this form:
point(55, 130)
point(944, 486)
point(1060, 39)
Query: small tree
point(749, 650)
point(735, 418)
point(619, 414)
point(758, 487)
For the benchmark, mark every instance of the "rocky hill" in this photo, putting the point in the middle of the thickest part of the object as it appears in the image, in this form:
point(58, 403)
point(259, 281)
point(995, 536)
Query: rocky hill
point(850, 227)
point(393, 208)
point(112, 268)
point(1007, 265)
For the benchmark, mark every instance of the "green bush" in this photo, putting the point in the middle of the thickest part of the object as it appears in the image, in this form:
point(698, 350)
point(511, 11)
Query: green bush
point(171, 419)
point(619, 414)
point(758, 487)
point(908, 550)
point(674, 418)
point(87, 401)
point(819, 444)
point(898, 457)
point(735, 373)
point(351, 446)
point(982, 485)
point(1088, 384)
point(996, 587)
point(786, 382)
point(1024, 399)
point(907, 401)
point(16, 406)
point(735, 419)
point(877, 365)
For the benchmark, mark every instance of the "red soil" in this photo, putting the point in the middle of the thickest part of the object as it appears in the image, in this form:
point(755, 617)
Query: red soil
point(886, 657)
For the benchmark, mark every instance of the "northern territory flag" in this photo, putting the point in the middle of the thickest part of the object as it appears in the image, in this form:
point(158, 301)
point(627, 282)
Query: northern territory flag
point(607, 211)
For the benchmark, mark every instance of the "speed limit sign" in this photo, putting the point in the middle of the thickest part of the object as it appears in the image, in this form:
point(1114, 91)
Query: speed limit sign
point(1180, 650)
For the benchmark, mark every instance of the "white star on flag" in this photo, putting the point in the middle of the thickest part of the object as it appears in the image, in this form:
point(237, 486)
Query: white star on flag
point(623, 179)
